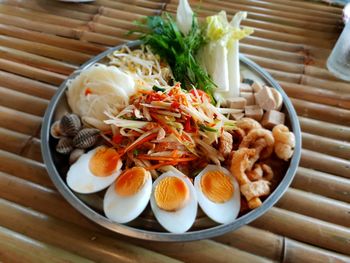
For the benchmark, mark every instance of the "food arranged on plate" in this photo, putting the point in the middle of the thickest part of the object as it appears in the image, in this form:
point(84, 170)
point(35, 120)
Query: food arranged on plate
point(173, 124)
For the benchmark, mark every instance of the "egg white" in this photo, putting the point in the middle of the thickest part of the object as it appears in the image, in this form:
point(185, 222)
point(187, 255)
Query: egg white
point(181, 220)
point(222, 213)
point(123, 209)
point(81, 180)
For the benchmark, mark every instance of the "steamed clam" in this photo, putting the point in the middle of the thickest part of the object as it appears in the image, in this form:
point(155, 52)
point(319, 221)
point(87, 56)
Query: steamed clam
point(70, 124)
point(86, 138)
point(64, 145)
point(56, 131)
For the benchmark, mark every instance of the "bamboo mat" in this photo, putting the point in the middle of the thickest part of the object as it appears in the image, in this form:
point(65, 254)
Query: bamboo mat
point(42, 42)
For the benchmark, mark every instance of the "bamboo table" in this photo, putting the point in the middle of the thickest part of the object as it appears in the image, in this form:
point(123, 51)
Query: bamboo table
point(42, 42)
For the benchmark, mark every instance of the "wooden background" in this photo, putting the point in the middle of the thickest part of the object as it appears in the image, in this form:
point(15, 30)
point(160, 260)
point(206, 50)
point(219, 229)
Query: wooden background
point(42, 42)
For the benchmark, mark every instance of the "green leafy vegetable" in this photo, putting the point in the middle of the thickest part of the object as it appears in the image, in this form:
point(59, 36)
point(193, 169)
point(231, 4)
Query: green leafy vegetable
point(179, 50)
point(156, 88)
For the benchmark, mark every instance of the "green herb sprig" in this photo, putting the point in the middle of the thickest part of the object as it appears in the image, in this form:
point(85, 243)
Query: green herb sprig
point(164, 37)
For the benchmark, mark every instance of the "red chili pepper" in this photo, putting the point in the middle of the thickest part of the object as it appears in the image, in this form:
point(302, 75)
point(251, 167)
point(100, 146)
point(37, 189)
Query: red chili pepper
point(117, 138)
point(188, 127)
point(88, 91)
point(155, 96)
point(175, 105)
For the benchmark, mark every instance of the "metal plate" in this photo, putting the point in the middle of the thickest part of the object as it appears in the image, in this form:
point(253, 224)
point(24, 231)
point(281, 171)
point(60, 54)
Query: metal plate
point(147, 228)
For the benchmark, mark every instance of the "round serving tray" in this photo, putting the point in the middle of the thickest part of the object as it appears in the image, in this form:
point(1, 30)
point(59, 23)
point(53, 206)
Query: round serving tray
point(146, 227)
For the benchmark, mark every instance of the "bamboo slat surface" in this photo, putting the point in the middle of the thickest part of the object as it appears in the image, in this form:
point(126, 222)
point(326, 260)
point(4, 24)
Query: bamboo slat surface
point(42, 42)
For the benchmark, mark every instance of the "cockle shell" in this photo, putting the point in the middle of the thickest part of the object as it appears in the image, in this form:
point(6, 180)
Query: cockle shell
point(64, 145)
point(70, 124)
point(56, 131)
point(75, 155)
point(86, 138)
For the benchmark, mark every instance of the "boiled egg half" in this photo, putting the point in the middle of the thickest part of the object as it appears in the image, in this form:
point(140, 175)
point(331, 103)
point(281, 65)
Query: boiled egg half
point(94, 170)
point(218, 194)
point(128, 196)
point(174, 202)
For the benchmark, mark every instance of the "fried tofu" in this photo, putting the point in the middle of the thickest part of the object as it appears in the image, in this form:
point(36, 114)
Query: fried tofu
point(254, 112)
point(265, 99)
point(272, 118)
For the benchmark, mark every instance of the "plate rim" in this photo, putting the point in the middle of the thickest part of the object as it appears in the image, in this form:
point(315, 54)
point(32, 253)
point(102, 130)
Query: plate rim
point(130, 231)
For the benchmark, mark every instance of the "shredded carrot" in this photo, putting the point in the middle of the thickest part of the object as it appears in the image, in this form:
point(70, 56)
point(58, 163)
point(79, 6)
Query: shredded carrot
point(145, 91)
point(166, 127)
point(150, 126)
point(121, 151)
point(165, 110)
point(185, 137)
point(166, 158)
point(162, 122)
point(108, 140)
point(135, 145)
point(156, 166)
point(134, 133)
point(174, 153)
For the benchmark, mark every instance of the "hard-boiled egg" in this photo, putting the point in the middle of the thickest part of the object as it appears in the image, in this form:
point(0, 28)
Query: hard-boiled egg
point(94, 171)
point(174, 202)
point(218, 194)
point(128, 196)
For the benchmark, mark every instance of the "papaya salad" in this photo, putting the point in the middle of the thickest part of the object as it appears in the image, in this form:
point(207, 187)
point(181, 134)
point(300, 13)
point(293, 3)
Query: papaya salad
point(173, 125)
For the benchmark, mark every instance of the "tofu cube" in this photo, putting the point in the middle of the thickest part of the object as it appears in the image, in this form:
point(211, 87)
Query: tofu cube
point(236, 103)
point(249, 96)
point(245, 88)
point(256, 87)
point(265, 99)
point(254, 112)
point(272, 118)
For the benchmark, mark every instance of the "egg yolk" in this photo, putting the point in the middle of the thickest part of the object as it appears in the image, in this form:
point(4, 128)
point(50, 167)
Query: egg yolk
point(217, 186)
point(131, 181)
point(104, 162)
point(171, 193)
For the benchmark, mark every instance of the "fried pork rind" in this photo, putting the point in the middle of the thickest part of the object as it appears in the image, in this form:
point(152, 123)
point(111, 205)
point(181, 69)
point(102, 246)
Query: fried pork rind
point(225, 143)
point(255, 189)
point(284, 142)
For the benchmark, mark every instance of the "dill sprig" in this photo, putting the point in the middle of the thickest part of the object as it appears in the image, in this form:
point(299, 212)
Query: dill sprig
point(164, 37)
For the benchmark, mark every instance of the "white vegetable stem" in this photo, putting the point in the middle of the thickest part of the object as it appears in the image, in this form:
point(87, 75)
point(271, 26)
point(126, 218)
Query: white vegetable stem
point(184, 16)
point(220, 73)
point(233, 56)
point(234, 77)
point(237, 19)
